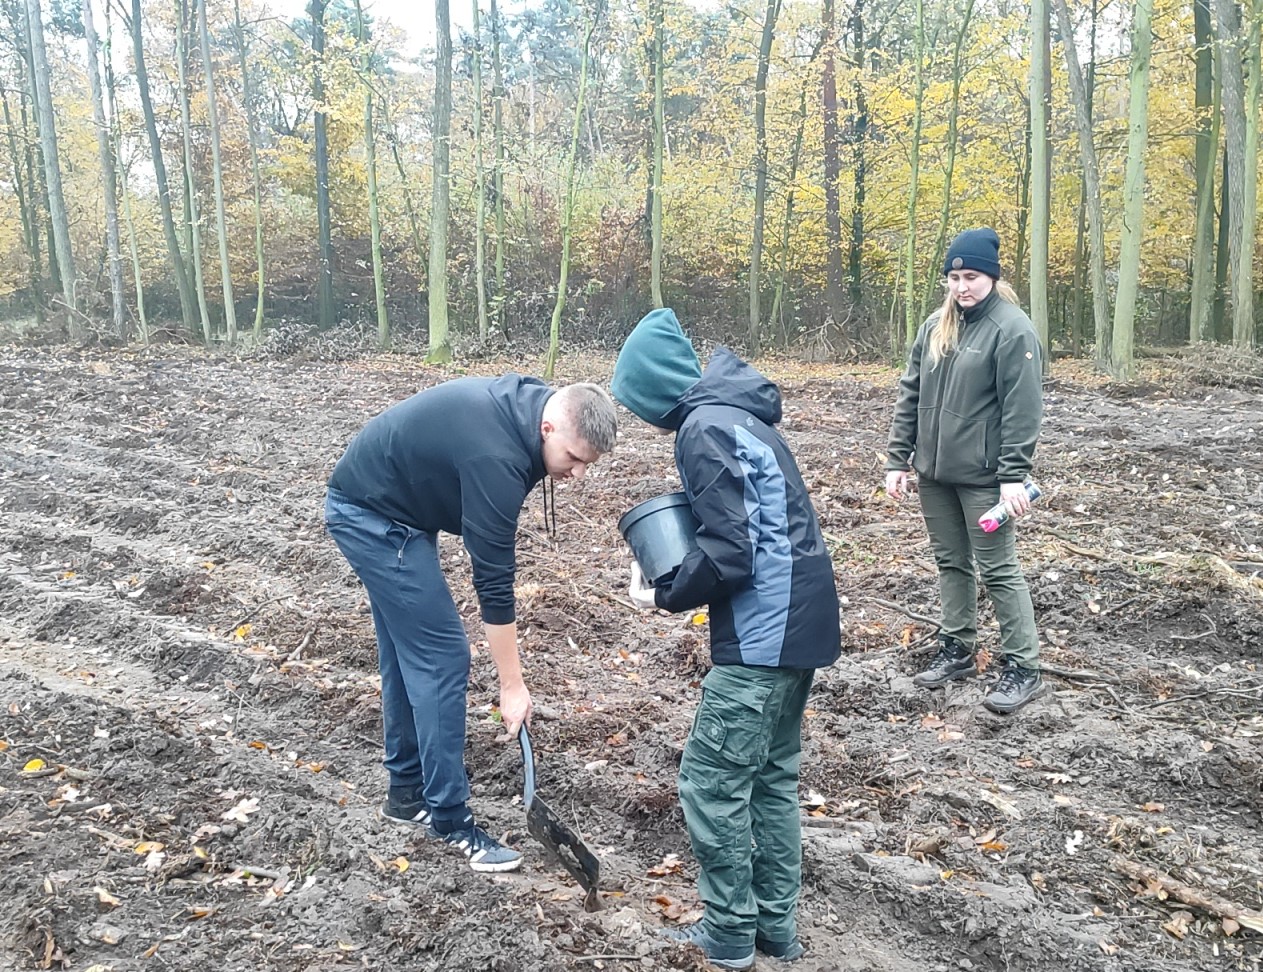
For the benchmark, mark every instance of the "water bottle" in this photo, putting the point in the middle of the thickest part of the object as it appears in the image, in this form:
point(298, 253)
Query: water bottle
point(998, 515)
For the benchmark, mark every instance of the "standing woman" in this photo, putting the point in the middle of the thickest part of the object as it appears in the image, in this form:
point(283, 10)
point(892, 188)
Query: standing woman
point(967, 420)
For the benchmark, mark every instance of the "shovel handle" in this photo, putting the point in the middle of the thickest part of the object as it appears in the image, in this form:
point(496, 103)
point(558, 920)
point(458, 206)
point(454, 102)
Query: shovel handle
point(528, 766)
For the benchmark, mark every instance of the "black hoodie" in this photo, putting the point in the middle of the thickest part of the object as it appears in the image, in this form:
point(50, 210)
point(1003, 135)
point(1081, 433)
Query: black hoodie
point(460, 457)
point(761, 561)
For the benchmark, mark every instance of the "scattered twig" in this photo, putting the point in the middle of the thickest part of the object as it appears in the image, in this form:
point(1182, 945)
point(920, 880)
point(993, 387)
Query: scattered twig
point(892, 606)
point(255, 610)
point(824, 823)
point(1196, 637)
point(607, 958)
point(1076, 674)
point(297, 653)
point(1240, 692)
point(247, 870)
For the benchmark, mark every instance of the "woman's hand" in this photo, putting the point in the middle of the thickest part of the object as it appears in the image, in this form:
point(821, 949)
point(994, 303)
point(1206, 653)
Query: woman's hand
point(897, 483)
point(1013, 495)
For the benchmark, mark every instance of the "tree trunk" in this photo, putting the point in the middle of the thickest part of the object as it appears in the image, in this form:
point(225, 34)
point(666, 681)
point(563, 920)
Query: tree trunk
point(760, 170)
point(27, 210)
point(953, 141)
point(370, 164)
point(116, 140)
point(858, 139)
point(910, 305)
point(655, 179)
point(1081, 98)
point(480, 181)
point(788, 223)
point(1219, 309)
point(324, 219)
point(497, 99)
point(190, 184)
point(1122, 360)
point(832, 166)
point(1201, 289)
point(567, 214)
point(440, 347)
point(110, 184)
point(1041, 172)
point(52, 165)
point(188, 303)
point(252, 136)
point(1243, 309)
point(414, 223)
point(221, 227)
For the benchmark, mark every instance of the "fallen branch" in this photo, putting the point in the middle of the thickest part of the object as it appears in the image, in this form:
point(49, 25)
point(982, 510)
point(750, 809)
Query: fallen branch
point(255, 610)
point(1193, 897)
point(607, 958)
point(892, 606)
point(1076, 674)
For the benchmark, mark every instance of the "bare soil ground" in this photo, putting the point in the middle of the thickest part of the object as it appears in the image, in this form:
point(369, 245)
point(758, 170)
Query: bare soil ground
point(189, 708)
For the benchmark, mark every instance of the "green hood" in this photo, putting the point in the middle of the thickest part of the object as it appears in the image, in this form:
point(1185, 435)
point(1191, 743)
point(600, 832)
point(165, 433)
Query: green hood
point(656, 366)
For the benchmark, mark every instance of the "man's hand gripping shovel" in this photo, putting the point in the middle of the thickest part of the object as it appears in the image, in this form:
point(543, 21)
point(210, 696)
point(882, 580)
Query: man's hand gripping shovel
point(560, 840)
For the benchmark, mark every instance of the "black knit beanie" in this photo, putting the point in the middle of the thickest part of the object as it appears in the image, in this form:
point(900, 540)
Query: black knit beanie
point(976, 249)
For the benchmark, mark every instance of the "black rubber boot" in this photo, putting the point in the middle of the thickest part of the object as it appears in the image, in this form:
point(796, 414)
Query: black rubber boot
point(952, 661)
point(1016, 687)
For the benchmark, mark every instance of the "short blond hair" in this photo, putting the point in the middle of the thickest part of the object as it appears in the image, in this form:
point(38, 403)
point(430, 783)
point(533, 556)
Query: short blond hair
point(590, 412)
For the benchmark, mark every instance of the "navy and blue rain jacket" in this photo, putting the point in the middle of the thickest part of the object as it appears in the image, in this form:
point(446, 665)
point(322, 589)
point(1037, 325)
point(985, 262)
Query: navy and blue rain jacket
point(761, 561)
point(460, 457)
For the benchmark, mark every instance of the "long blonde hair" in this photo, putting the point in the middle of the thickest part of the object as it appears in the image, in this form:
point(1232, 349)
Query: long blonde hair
point(945, 334)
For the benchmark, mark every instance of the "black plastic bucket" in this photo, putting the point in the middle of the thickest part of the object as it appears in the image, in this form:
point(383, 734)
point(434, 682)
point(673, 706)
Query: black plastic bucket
point(660, 532)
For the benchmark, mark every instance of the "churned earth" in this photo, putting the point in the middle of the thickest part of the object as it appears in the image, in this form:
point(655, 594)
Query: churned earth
point(190, 712)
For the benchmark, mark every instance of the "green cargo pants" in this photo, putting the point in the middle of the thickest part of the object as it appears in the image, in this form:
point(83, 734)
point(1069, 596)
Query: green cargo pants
point(739, 791)
point(951, 518)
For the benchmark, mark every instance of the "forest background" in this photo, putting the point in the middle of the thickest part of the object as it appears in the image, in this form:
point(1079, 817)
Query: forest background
point(781, 172)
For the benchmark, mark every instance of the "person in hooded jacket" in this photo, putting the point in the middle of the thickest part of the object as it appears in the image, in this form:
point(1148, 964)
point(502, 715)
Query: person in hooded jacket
point(967, 420)
point(459, 458)
point(762, 566)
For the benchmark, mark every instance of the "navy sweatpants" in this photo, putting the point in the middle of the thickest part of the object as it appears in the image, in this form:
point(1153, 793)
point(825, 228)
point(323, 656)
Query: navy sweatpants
point(422, 651)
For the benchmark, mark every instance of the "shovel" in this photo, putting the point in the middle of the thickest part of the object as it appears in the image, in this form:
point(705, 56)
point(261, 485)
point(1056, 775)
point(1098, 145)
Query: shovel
point(560, 840)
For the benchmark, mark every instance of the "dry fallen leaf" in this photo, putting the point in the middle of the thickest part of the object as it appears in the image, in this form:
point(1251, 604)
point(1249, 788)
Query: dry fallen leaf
point(670, 865)
point(1230, 927)
point(1109, 948)
point(241, 810)
point(106, 898)
point(148, 846)
point(1154, 807)
point(1179, 924)
point(33, 766)
point(401, 863)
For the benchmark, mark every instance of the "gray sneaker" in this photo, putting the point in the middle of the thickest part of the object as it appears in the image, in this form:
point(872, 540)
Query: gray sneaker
point(790, 951)
point(718, 954)
point(952, 661)
point(1016, 687)
point(485, 853)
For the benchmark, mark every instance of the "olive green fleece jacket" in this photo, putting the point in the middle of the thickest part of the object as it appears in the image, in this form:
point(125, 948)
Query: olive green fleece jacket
point(971, 418)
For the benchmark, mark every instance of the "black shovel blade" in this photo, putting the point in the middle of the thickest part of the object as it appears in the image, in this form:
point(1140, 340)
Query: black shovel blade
point(557, 836)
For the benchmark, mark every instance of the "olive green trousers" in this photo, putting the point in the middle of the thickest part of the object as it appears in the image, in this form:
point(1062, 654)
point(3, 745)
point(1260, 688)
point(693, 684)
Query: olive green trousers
point(951, 518)
point(739, 791)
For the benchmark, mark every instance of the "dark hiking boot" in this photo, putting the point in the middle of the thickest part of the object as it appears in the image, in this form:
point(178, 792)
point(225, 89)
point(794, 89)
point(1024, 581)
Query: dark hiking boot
point(485, 853)
point(1016, 687)
point(952, 661)
point(405, 805)
point(717, 953)
point(790, 951)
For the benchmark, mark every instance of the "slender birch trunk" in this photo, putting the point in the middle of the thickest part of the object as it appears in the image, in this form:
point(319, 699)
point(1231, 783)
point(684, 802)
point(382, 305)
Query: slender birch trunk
point(252, 137)
point(221, 225)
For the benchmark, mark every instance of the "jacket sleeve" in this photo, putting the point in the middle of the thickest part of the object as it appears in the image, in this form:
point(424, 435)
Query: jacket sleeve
point(492, 493)
point(902, 441)
point(715, 484)
point(1019, 388)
